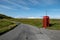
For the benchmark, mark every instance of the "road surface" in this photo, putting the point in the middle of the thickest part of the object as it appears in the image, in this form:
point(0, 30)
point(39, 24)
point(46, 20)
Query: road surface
point(53, 34)
point(28, 32)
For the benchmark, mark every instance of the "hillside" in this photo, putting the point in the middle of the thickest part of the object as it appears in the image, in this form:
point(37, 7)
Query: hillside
point(2, 16)
point(6, 24)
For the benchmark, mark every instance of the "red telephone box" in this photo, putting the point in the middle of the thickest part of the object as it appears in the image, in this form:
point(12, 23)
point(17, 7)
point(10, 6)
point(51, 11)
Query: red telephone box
point(45, 21)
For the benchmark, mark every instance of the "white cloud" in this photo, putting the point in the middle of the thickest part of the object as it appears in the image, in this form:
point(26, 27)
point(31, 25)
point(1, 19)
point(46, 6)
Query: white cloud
point(33, 17)
point(23, 4)
point(49, 1)
point(34, 2)
point(23, 7)
point(5, 7)
point(43, 2)
point(20, 2)
point(29, 17)
point(54, 16)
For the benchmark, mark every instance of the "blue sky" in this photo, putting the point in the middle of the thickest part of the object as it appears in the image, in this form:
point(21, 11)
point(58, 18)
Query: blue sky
point(30, 8)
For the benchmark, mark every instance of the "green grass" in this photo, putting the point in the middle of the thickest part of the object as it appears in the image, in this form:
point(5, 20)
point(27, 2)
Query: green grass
point(5, 25)
point(34, 22)
point(55, 23)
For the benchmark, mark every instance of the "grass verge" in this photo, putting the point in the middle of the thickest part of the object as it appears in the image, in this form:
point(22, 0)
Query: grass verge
point(6, 26)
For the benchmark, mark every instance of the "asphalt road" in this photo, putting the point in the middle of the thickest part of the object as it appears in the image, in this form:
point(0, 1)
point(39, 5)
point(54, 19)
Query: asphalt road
point(52, 34)
point(28, 32)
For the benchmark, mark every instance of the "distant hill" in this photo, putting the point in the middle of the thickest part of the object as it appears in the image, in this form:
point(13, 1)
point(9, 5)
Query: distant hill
point(2, 16)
